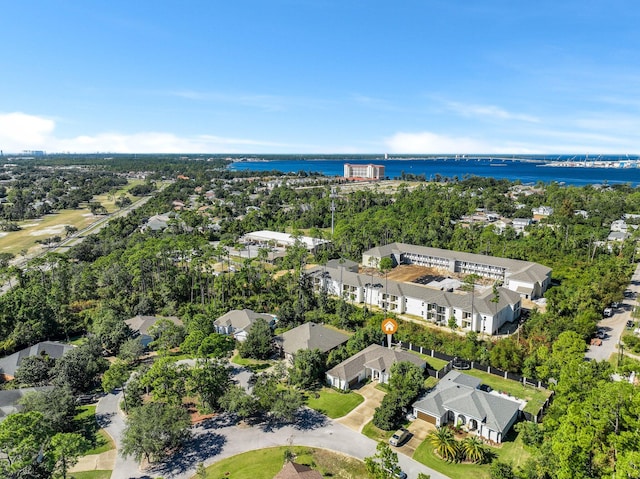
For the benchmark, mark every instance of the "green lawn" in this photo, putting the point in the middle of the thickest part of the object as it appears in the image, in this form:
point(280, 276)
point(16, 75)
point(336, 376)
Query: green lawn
point(333, 403)
point(535, 397)
point(376, 433)
point(266, 463)
point(253, 364)
point(90, 475)
point(86, 422)
point(511, 451)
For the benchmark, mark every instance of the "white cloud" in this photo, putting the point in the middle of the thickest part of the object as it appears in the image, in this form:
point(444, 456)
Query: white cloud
point(19, 131)
point(428, 142)
point(489, 111)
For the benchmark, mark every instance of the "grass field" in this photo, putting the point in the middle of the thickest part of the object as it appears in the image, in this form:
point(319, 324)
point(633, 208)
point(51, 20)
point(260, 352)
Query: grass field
point(100, 440)
point(51, 225)
point(266, 463)
point(90, 475)
point(333, 403)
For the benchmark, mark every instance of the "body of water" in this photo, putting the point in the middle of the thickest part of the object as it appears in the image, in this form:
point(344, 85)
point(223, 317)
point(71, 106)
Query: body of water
point(530, 171)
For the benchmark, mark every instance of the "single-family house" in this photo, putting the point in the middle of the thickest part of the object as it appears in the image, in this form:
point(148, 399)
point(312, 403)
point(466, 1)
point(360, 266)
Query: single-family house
point(373, 362)
point(293, 470)
point(53, 349)
point(541, 212)
point(309, 336)
point(140, 325)
point(10, 398)
point(238, 322)
point(457, 399)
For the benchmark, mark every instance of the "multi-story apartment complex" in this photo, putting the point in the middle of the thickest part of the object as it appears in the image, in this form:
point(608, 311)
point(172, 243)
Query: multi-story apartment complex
point(359, 171)
point(480, 311)
point(527, 278)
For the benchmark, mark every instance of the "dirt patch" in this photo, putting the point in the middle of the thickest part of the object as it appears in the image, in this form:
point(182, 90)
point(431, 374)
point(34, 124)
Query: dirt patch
point(410, 272)
point(52, 230)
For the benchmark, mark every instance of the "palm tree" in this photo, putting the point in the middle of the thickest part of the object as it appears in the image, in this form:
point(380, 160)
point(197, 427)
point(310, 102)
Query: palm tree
point(473, 450)
point(445, 444)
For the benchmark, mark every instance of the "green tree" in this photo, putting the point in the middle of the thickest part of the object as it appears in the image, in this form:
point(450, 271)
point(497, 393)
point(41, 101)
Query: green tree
point(66, 448)
point(155, 429)
point(22, 438)
point(80, 367)
point(166, 380)
point(259, 342)
point(34, 371)
point(116, 377)
point(58, 407)
point(384, 464)
point(501, 470)
point(474, 450)
point(209, 380)
point(130, 351)
point(308, 368)
point(445, 444)
point(236, 401)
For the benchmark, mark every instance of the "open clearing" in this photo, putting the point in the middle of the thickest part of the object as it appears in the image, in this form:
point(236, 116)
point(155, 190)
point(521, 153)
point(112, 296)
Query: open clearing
point(32, 230)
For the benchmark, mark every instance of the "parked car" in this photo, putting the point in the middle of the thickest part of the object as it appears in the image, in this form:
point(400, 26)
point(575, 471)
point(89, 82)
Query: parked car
point(630, 323)
point(596, 342)
point(399, 437)
point(608, 312)
point(399, 474)
point(600, 334)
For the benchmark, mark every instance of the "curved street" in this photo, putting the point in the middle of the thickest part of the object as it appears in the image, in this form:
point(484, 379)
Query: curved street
point(220, 437)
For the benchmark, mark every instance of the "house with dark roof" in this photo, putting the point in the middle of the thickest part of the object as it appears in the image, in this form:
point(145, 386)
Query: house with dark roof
point(10, 398)
point(309, 336)
point(140, 325)
point(457, 399)
point(52, 349)
point(238, 322)
point(293, 470)
point(373, 362)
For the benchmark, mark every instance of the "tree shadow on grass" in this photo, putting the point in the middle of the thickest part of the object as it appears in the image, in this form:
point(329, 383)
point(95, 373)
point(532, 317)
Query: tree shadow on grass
point(197, 449)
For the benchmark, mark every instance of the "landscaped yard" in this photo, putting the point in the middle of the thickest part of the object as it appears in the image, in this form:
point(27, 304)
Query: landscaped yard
point(333, 403)
point(100, 440)
point(511, 451)
point(535, 397)
point(265, 463)
point(252, 364)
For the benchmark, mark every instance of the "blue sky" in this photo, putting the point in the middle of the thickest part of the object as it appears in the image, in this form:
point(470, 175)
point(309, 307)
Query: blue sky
point(320, 76)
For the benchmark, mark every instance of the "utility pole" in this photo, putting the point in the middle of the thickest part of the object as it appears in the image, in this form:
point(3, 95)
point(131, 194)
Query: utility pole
point(333, 196)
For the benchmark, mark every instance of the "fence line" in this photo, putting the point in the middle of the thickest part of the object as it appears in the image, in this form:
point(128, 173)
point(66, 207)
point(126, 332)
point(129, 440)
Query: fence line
point(473, 364)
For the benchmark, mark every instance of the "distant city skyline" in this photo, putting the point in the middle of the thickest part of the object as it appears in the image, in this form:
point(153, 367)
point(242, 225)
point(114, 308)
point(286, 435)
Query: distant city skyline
point(321, 76)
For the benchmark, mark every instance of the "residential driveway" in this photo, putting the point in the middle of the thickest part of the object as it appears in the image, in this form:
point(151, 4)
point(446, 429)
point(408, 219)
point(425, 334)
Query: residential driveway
point(614, 325)
point(419, 430)
point(362, 414)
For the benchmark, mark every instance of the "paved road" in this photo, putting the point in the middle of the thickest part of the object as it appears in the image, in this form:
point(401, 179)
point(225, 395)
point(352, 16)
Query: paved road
point(221, 437)
point(615, 325)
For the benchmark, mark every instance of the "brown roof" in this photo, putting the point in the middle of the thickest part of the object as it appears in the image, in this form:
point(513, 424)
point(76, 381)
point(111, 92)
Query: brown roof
point(292, 470)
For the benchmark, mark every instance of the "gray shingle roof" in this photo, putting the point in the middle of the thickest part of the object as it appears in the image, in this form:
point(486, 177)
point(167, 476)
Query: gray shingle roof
point(373, 356)
point(310, 336)
point(458, 392)
point(241, 319)
point(53, 349)
point(142, 324)
point(9, 399)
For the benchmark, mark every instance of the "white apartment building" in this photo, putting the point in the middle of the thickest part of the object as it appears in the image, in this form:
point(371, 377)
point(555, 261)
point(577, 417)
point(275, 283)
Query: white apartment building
point(370, 171)
point(481, 312)
point(527, 278)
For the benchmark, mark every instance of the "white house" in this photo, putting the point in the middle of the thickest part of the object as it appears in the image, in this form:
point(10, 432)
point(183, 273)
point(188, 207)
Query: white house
point(373, 362)
point(238, 322)
point(457, 400)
